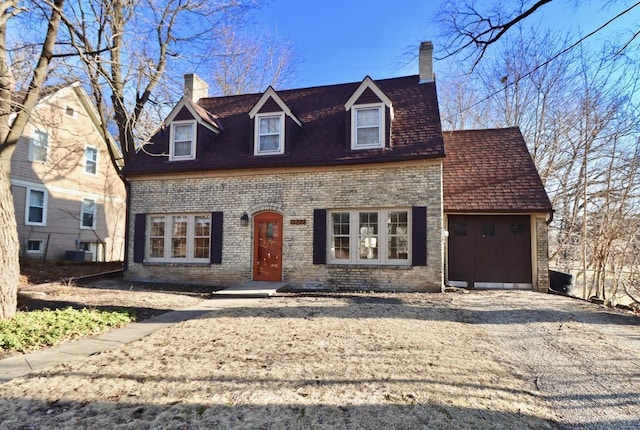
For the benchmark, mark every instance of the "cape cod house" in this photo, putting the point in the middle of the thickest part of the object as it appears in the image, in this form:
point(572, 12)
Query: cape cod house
point(68, 198)
point(332, 187)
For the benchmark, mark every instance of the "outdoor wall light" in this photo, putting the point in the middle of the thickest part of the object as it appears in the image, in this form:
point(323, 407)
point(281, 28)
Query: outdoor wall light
point(244, 219)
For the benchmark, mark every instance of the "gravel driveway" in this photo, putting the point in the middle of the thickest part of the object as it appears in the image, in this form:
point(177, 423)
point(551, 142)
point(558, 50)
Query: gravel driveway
point(582, 359)
point(494, 359)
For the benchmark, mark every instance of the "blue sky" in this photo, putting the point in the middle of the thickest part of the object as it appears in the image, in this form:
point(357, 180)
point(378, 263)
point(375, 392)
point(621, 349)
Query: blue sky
point(341, 41)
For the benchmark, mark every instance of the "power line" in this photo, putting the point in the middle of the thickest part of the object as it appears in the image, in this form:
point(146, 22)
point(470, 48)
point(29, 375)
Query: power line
point(543, 64)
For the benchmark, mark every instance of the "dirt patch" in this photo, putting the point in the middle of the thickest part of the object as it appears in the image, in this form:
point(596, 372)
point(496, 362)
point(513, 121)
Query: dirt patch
point(71, 287)
point(35, 271)
point(481, 360)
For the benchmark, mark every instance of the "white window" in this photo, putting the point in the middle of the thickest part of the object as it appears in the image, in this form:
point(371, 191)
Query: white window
point(70, 111)
point(88, 213)
point(35, 246)
point(182, 144)
point(90, 160)
point(367, 123)
point(269, 134)
point(369, 236)
point(36, 208)
point(38, 147)
point(179, 238)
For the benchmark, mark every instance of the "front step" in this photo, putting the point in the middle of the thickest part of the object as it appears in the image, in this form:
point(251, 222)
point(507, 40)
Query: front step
point(250, 289)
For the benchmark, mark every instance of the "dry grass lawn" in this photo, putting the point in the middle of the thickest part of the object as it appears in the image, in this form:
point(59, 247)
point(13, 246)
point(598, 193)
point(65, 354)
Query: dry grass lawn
point(357, 361)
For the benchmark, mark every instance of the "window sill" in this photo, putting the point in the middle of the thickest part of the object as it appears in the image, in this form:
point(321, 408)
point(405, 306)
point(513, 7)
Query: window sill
point(333, 265)
point(176, 263)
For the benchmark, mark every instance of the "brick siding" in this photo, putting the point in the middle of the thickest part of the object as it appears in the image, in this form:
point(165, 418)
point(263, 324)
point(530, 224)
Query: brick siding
point(542, 255)
point(295, 194)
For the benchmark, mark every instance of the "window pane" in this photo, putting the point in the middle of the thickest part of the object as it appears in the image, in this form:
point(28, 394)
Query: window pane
point(182, 132)
point(368, 239)
point(36, 206)
point(179, 247)
point(39, 146)
point(269, 143)
point(368, 117)
point(201, 248)
point(201, 236)
point(340, 238)
point(36, 198)
point(517, 230)
point(368, 136)
point(88, 211)
point(157, 247)
point(398, 235)
point(34, 245)
point(179, 237)
point(157, 237)
point(460, 229)
point(340, 248)
point(179, 227)
point(270, 125)
point(35, 214)
point(182, 149)
point(38, 153)
point(488, 230)
point(157, 226)
point(202, 226)
point(91, 157)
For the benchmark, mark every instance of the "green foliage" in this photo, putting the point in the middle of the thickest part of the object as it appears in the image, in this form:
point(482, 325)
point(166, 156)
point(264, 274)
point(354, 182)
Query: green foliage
point(35, 329)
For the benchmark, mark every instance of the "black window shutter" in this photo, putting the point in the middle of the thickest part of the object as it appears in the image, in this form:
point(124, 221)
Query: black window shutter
point(216, 238)
point(139, 233)
point(419, 236)
point(319, 236)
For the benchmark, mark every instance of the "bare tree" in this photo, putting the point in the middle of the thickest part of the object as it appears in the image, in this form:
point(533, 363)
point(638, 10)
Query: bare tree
point(13, 119)
point(472, 27)
point(250, 62)
point(135, 53)
point(579, 115)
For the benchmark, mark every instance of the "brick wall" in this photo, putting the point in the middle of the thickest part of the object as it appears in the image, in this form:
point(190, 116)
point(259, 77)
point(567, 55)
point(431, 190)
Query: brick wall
point(295, 194)
point(542, 255)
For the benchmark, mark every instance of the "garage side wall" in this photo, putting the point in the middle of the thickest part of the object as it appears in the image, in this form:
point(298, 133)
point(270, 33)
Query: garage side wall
point(295, 195)
point(542, 255)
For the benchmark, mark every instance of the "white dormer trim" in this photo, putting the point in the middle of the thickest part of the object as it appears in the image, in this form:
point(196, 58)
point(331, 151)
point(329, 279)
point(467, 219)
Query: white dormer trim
point(271, 93)
point(368, 83)
point(185, 102)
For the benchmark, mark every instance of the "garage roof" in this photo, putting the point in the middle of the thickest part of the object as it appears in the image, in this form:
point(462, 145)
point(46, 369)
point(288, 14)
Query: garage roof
point(491, 171)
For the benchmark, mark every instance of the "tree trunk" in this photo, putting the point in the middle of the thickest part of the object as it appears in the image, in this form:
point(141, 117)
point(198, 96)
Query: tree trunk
point(9, 246)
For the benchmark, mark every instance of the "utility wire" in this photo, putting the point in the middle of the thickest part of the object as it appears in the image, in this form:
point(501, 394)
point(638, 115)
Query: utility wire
point(541, 65)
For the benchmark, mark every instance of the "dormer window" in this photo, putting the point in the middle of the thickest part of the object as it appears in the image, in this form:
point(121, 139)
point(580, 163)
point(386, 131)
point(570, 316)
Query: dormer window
point(269, 135)
point(369, 108)
point(182, 144)
point(368, 126)
point(268, 115)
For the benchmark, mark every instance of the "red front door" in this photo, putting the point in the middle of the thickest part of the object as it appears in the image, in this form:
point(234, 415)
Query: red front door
point(267, 247)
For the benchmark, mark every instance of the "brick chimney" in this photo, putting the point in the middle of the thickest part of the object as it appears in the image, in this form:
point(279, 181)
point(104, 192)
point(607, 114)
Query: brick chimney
point(425, 62)
point(194, 87)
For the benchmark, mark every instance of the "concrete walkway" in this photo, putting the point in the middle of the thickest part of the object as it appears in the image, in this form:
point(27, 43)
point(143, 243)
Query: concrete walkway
point(24, 364)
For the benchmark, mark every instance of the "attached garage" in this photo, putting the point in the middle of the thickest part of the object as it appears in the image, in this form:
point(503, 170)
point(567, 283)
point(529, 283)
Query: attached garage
point(496, 212)
point(490, 251)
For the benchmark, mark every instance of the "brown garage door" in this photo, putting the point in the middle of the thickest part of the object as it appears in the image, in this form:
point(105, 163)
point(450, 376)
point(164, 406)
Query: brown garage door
point(489, 251)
